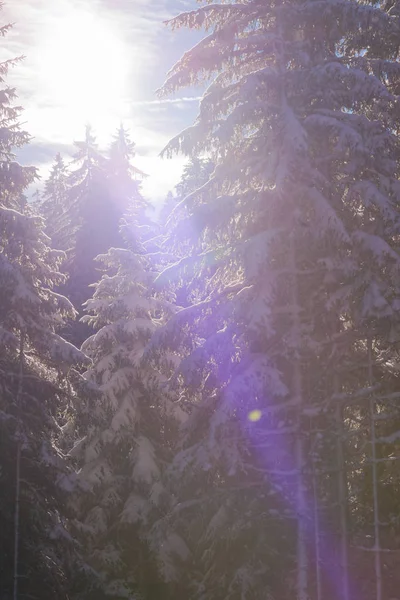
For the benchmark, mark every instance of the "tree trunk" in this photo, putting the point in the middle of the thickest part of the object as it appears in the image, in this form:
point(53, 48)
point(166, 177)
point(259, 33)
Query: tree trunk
point(317, 539)
point(18, 466)
point(342, 497)
point(301, 500)
point(377, 544)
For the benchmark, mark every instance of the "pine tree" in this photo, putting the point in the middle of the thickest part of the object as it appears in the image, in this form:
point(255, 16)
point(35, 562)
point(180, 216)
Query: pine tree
point(37, 388)
point(127, 176)
point(83, 205)
point(292, 245)
point(124, 183)
point(122, 457)
point(38, 384)
point(196, 173)
point(169, 204)
point(53, 201)
point(86, 226)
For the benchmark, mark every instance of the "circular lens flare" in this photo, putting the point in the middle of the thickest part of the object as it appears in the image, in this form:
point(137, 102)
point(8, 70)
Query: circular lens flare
point(255, 415)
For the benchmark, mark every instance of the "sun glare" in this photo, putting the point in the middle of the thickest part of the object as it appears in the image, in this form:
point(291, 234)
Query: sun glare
point(84, 67)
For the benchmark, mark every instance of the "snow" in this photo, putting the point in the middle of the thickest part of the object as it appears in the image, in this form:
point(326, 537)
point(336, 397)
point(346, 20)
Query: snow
point(145, 468)
point(136, 510)
point(172, 546)
point(378, 246)
point(96, 520)
point(218, 522)
point(127, 412)
point(290, 245)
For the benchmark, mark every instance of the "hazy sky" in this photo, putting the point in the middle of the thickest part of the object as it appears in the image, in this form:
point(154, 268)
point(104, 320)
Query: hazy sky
point(99, 61)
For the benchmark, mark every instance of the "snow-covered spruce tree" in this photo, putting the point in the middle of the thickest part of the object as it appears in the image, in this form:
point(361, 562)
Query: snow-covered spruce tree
point(372, 453)
point(37, 555)
point(37, 382)
point(293, 248)
point(168, 206)
point(99, 191)
point(85, 176)
point(87, 227)
point(13, 178)
point(124, 183)
point(54, 198)
point(196, 173)
point(124, 176)
point(122, 457)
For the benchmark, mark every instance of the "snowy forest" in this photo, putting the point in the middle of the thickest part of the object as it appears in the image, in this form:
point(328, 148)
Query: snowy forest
point(206, 405)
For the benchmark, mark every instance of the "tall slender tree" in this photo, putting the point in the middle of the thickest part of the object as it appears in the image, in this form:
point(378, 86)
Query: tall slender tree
point(122, 457)
point(89, 226)
point(38, 384)
point(124, 183)
point(292, 244)
point(53, 201)
point(83, 205)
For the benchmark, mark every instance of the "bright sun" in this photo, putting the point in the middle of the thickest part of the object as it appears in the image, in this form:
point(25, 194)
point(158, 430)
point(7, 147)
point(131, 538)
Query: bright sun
point(84, 66)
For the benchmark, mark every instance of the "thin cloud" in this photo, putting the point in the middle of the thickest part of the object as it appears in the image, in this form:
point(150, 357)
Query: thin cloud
point(150, 51)
point(166, 101)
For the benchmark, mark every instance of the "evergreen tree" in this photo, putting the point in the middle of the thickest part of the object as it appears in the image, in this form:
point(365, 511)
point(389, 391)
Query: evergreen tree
point(122, 457)
point(292, 245)
point(196, 173)
point(124, 182)
point(127, 177)
point(174, 217)
point(83, 205)
point(53, 201)
point(169, 204)
point(88, 226)
point(38, 385)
